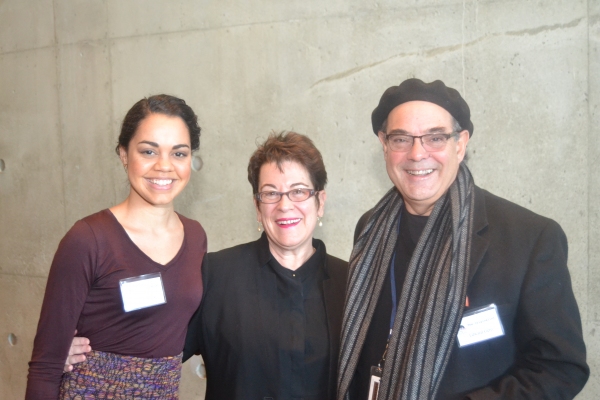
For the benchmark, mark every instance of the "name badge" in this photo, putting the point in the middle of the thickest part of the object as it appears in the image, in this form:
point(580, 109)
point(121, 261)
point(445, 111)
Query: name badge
point(376, 373)
point(142, 291)
point(480, 325)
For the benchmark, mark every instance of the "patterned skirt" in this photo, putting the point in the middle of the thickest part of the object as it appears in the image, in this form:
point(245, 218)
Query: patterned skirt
point(112, 376)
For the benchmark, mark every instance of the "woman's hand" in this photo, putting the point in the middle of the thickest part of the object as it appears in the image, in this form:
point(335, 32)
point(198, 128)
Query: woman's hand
point(79, 346)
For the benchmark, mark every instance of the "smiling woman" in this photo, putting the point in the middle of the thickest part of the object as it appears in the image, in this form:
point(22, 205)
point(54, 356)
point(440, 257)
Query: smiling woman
point(158, 159)
point(128, 278)
point(269, 324)
point(289, 222)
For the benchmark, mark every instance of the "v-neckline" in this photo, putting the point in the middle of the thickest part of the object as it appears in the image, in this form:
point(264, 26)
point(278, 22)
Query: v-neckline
point(141, 252)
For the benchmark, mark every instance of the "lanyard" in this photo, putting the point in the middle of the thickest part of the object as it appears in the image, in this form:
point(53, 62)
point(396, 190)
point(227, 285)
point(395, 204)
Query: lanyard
point(393, 282)
point(394, 296)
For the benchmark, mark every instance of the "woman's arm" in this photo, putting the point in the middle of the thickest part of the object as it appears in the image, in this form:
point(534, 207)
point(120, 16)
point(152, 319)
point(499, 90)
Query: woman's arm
point(69, 281)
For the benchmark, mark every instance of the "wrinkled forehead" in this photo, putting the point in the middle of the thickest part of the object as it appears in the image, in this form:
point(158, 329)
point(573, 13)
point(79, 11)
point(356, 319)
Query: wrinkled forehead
point(418, 116)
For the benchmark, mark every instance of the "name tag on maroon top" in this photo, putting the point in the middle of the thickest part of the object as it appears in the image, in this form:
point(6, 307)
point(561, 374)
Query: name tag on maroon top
point(142, 292)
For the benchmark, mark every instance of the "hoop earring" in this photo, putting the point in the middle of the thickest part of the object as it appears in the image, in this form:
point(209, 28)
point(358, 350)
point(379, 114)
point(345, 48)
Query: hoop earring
point(125, 167)
point(260, 227)
point(319, 221)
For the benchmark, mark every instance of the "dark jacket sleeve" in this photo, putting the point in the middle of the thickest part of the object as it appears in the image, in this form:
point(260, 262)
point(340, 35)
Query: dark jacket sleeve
point(335, 295)
point(193, 338)
point(551, 355)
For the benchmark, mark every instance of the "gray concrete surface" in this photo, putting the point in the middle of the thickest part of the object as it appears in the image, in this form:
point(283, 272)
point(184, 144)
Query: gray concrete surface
point(70, 69)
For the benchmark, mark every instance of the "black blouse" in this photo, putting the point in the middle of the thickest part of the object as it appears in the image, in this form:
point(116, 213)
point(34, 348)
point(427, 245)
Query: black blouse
point(303, 334)
point(266, 332)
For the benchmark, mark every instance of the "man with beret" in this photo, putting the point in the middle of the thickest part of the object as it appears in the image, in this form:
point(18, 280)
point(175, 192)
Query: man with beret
point(453, 293)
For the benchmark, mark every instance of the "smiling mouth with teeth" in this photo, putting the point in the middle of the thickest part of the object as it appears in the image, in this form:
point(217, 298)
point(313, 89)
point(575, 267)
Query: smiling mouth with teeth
point(420, 172)
point(161, 182)
point(288, 221)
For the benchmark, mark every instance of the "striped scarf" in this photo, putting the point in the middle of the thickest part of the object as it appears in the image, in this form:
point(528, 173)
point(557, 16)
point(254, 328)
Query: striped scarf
point(431, 302)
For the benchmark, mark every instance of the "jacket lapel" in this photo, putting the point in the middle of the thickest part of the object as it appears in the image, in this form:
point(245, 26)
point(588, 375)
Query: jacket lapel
point(265, 286)
point(479, 244)
point(334, 307)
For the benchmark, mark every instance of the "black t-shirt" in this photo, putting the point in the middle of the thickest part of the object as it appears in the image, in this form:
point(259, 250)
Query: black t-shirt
point(411, 227)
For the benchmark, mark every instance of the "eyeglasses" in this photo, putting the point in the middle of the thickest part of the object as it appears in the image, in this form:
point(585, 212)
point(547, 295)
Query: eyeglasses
point(431, 142)
point(295, 195)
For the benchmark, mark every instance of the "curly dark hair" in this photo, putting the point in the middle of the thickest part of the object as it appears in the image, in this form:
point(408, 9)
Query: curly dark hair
point(288, 146)
point(159, 104)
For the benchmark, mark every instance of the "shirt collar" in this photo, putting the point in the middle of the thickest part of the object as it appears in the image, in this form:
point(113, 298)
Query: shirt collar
point(264, 253)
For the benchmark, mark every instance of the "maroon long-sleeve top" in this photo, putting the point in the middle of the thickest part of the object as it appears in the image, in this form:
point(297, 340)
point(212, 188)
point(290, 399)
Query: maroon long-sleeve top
point(83, 293)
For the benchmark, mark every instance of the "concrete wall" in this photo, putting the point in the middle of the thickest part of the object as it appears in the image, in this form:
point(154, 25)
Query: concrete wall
point(70, 69)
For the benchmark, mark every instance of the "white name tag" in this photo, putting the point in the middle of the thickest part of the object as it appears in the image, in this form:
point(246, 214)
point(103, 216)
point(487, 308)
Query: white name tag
point(142, 291)
point(376, 373)
point(480, 325)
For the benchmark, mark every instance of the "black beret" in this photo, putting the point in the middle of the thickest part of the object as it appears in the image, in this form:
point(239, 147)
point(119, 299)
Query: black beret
point(415, 89)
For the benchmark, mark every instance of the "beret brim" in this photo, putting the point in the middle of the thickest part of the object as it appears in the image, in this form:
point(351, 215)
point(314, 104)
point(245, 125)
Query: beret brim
point(416, 90)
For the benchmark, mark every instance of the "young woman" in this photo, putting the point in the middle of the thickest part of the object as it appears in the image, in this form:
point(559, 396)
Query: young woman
point(128, 278)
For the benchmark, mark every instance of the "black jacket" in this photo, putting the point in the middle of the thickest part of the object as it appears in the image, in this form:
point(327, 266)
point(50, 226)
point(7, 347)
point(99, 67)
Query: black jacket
point(519, 262)
point(234, 330)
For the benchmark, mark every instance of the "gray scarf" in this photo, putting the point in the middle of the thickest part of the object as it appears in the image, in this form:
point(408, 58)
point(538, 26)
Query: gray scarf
point(432, 298)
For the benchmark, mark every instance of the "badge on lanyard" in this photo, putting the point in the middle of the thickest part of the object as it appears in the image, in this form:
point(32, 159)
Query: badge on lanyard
point(142, 291)
point(479, 325)
point(375, 380)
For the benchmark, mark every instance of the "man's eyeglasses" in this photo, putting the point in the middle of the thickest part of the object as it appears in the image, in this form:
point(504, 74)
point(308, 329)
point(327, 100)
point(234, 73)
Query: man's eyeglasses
point(431, 142)
point(296, 195)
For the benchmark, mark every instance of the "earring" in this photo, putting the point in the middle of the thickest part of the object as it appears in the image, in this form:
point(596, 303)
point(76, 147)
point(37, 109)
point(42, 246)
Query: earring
point(260, 227)
point(319, 221)
point(125, 167)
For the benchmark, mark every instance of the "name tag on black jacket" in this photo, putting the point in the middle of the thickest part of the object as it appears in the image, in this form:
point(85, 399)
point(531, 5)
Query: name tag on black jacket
point(479, 325)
